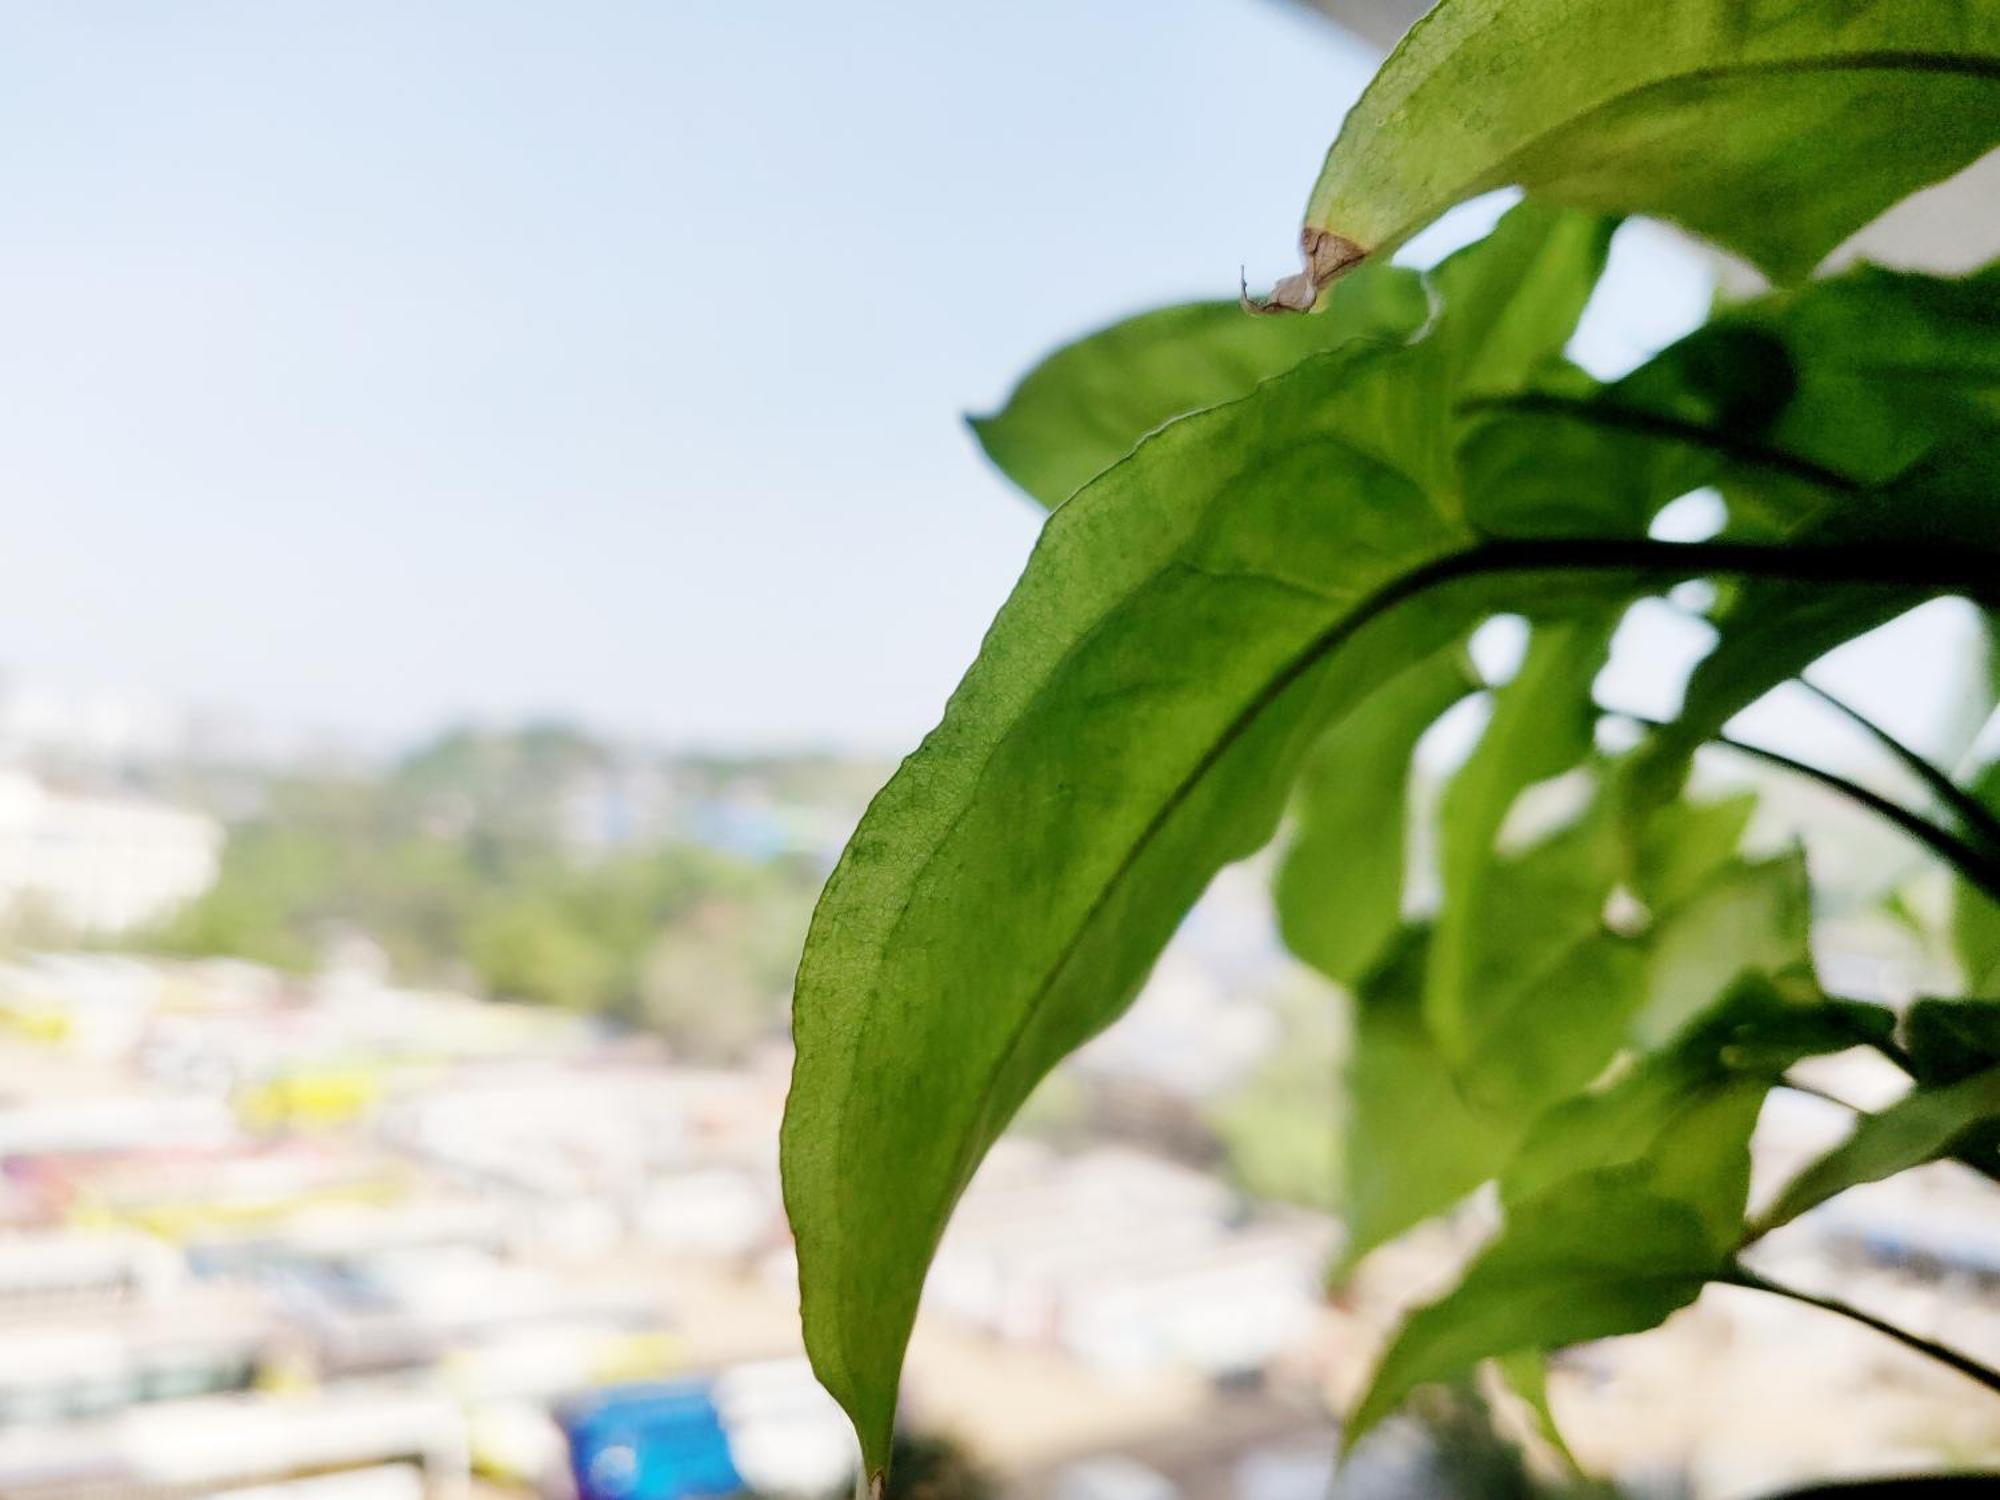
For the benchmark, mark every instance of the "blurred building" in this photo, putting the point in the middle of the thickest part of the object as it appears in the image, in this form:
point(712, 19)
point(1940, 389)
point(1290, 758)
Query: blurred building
point(99, 863)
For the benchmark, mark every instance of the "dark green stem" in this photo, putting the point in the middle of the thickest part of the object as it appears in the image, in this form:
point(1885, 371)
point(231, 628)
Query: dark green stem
point(1968, 809)
point(1797, 1086)
point(1973, 863)
point(1739, 1274)
point(1933, 570)
point(1893, 1050)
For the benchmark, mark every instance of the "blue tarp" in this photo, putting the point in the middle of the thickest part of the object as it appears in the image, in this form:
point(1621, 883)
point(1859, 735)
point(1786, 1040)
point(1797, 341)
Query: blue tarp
point(650, 1442)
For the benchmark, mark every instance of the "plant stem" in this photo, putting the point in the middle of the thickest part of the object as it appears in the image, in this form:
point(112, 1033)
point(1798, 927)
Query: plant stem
point(1739, 1274)
point(1973, 863)
point(1970, 861)
point(1811, 1092)
point(1894, 1051)
point(1969, 809)
point(1933, 570)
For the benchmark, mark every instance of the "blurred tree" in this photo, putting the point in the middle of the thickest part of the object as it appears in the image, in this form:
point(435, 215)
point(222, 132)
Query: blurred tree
point(1281, 1130)
point(458, 864)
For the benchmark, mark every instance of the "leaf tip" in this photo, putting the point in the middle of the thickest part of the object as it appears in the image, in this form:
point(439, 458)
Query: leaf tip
point(1327, 257)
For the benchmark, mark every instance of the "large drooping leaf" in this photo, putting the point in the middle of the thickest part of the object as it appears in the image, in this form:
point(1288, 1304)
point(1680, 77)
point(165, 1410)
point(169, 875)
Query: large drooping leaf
point(1602, 1253)
point(1340, 889)
point(1084, 407)
point(1772, 127)
point(1189, 624)
point(1924, 1125)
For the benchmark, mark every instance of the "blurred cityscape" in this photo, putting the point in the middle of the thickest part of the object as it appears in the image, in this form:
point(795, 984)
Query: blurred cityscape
point(374, 1130)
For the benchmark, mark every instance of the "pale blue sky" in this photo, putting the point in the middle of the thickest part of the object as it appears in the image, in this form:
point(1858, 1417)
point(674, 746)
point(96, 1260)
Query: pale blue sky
point(367, 364)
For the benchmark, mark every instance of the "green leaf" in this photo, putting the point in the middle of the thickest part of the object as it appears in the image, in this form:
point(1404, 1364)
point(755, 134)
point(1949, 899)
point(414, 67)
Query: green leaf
point(1948, 1041)
point(1526, 1372)
point(1686, 845)
point(1620, 1203)
point(1549, 1000)
point(1415, 1144)
point(1191, 623)
point(1339, 891)
point(1551, 990)
point(1541, 725)
point(1601, 1254)
point(1188, 626)
point(1976, 934)
point(1749, 916)
point(1688, 1109)
point(1087, 405)
point(1927, 1124)
point(1515, 296)
point(1786, 402)
point(1881, 365)
point(1698, 112)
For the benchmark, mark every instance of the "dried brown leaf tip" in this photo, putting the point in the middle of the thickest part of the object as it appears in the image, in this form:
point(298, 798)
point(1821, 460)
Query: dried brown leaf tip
point(1327, 255)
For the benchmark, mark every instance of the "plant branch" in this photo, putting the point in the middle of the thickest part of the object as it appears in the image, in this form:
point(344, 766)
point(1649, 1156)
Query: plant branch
point(1975, 864)
point(1970, 811)
point(1811, 1091)
point(1926, 571)
point(1738, 1274)
point(1935, 570)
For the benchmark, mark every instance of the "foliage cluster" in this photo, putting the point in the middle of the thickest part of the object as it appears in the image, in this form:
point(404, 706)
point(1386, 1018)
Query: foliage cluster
point(1268, 544)
point(456, 862)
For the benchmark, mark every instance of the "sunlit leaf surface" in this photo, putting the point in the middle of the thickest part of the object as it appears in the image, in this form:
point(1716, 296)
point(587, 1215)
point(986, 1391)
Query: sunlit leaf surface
point(1771, 127)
